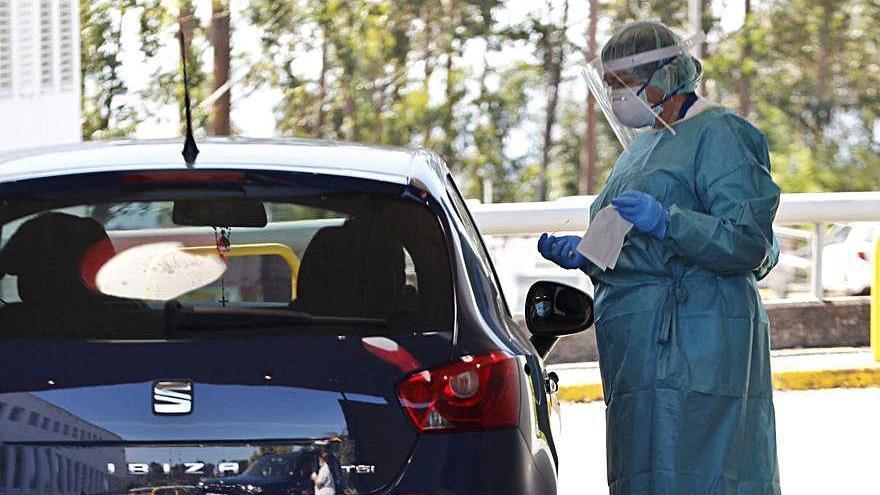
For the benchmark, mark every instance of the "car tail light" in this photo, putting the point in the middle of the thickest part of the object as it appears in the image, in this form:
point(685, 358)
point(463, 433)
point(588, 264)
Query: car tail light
point(863, 255)
point(475, 392)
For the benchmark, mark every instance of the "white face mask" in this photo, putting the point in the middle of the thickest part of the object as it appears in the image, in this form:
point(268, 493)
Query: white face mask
point(633, 110)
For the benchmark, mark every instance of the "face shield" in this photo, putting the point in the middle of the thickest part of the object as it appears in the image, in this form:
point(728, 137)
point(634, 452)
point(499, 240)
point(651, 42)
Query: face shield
point(623, 97)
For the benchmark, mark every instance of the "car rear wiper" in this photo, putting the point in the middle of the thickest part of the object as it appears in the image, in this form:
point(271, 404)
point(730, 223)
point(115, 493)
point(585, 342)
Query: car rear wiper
point(182, 317)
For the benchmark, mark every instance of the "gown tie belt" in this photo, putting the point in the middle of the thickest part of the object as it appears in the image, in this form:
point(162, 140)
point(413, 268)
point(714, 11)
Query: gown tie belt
point(673, 295)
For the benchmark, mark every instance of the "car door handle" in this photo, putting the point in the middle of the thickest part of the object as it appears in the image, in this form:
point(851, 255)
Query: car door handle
point(552, 382)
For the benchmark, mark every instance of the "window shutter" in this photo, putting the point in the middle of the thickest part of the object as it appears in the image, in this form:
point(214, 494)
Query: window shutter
point(5, 49)
point(25, 46)
point(47, 47)
point(67, 22)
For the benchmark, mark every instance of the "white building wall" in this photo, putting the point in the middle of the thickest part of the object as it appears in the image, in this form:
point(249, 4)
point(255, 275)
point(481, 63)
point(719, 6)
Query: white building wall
point(42, 469)
point(39, 73)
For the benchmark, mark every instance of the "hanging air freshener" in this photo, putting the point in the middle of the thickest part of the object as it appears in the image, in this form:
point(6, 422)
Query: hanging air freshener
point(221, 238)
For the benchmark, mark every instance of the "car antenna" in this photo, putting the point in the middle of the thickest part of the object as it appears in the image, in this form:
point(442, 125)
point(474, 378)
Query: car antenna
point(190, 150)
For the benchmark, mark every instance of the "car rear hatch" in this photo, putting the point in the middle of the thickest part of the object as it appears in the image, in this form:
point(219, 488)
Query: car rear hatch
point(97, 417)
point(234, 384)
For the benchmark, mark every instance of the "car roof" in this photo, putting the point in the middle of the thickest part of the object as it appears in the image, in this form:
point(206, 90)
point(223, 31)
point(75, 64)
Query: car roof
point(390, 164)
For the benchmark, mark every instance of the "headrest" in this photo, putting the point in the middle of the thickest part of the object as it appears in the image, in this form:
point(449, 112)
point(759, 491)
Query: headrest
point(352, 270)
point(56, 256)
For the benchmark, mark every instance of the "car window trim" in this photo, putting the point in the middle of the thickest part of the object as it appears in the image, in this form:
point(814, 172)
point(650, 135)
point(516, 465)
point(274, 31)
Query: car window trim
point(483, 252)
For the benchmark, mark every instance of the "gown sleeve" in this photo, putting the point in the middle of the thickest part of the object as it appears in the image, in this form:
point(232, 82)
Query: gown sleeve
point(733, 234)
point(770, 262)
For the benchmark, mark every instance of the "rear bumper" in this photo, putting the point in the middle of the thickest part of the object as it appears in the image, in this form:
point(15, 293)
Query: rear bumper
point(478, 463)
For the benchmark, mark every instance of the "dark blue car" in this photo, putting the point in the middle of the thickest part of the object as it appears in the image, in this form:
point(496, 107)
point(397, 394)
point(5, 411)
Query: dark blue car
point(174, 329)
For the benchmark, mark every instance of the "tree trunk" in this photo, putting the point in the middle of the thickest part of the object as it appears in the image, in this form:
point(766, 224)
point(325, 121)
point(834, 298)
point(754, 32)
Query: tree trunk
point(589, 150)
point(187, 23)
point(704, 88)
point(348, 69)
point(821, 112)
point(745, 86)
point(429, 69)
point(486, 167)
point(350, 110)
point(322, 88)
point(446, 122)
point(220, 125)
point(697, 14)
point(378, 95)
point(824, 56)
point(555, 59)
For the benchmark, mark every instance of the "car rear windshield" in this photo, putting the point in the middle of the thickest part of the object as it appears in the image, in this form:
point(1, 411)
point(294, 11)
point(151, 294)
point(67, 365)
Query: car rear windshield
point(145, 255)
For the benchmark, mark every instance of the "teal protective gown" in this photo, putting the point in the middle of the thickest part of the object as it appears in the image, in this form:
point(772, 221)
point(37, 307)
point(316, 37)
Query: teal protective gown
point(683, 337)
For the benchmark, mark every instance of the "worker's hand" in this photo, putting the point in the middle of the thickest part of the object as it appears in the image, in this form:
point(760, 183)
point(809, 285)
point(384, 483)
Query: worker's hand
point(644, 212)
point(562, 250)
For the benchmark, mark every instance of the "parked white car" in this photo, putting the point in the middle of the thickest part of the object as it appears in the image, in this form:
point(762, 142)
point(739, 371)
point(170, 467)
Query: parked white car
point(847, 260)
point(519, 264)
point(789, 278)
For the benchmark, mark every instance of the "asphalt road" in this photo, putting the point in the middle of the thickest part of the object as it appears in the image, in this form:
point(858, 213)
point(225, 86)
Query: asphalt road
point(829, 442)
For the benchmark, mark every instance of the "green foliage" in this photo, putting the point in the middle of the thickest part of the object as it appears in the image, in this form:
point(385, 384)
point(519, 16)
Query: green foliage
point(494, 115)
point(103, 114)
point(395, 72)
point(673, 13)
point(160, 26)
point(814, 87)
point(107, 105)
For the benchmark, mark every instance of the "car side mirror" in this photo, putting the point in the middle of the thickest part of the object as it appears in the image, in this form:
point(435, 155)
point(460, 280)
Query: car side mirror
point(554, 309)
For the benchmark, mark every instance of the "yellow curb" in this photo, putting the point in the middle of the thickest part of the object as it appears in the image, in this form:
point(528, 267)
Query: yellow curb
point(581, 393)
point(816, 379)
point(784, 380)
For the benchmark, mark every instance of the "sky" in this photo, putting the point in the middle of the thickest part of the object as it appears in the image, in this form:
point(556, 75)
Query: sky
point(253, 110)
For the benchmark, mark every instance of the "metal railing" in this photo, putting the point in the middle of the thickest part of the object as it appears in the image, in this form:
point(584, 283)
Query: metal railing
point(570, 214)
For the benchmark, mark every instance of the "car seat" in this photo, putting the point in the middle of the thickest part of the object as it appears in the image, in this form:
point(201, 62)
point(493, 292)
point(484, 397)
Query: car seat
point(55, 257)
point(354, 270)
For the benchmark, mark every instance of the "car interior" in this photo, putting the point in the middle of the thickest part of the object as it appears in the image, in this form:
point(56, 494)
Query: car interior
point(358, 256)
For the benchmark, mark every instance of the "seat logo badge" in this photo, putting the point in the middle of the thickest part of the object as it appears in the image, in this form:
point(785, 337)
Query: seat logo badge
point(172, 397)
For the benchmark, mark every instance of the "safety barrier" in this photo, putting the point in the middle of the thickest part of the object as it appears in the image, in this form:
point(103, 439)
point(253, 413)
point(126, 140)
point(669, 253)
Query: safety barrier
point(570, 214)
point(259, 249)
point(875, 303)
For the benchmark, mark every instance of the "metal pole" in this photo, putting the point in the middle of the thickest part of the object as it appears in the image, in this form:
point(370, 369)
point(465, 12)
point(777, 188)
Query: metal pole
point(695, 16)
point(488, 189)
point(816, 261)
point(875, 303)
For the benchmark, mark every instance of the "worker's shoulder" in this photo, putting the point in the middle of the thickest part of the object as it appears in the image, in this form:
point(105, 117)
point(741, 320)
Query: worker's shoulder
point(725, 127)
point(722, 119)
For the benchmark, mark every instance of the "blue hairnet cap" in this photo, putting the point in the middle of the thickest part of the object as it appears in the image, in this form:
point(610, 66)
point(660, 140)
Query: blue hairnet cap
point(680, 75)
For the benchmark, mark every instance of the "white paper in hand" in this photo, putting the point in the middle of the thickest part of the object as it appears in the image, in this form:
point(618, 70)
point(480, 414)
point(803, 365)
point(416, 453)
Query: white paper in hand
point(604, 238)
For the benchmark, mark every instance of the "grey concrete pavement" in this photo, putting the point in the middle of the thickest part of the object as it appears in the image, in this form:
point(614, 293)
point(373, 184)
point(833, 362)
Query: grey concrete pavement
point(829, 442)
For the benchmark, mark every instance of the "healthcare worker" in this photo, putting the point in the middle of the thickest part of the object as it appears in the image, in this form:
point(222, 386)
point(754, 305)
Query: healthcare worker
point(683, 337)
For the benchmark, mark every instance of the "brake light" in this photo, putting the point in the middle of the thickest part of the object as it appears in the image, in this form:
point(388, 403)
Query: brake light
point(183, 177)
point(475, 392)
point(863, 255)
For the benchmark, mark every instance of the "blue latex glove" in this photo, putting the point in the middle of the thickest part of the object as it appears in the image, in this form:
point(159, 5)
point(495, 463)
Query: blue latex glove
point(562, 250)
point(644, 212)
